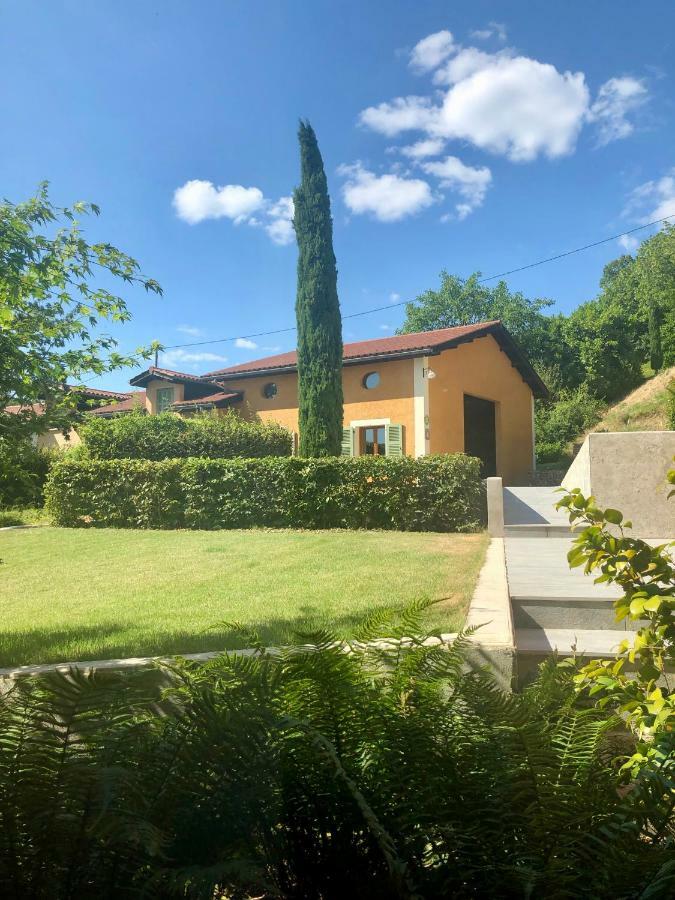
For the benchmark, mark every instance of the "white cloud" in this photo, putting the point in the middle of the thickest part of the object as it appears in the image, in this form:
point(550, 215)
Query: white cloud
point(513, 106)
point(628, 242)
point(394, 298)
point(616, 98)
point(245, 344)
point(466, 63)
point(172, 359)
point(280, 221)
point(504, 103)
point(388, 198)
point(496, 29)
point(421, 149)
point(653, 199)
point(470, 182)
point(198, 200)
point(401, 114)
point(430, 52)
point(191, 330)
point(516, 107)
point(385, 327)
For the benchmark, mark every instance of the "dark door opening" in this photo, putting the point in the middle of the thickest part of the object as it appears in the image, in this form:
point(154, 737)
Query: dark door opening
point(480, 434)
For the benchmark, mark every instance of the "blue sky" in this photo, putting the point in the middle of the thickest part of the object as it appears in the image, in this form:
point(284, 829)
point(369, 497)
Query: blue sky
point(464, 135)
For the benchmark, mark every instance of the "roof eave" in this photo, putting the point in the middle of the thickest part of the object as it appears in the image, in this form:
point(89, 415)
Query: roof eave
point(144, 378)
point(385, 356)
point(206, 403)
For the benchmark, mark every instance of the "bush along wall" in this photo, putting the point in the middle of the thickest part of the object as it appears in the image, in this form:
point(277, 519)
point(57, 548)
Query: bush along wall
point(436, 493)
point(168, 436)
point(23, 472)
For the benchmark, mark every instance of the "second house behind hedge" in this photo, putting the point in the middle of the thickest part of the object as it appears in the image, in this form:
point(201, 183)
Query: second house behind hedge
point(468, 388)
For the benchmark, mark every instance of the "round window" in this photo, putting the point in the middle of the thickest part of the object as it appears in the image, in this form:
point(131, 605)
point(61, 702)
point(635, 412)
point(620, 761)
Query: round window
point(371, 380)
point(270, 390)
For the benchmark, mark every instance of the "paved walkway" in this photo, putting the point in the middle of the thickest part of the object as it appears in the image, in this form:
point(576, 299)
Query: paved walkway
point(533, 506)
point(538, 567)
point(554, 607)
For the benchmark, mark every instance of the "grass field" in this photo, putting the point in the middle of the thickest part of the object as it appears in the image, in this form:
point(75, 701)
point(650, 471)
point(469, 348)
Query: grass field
point(71, 594)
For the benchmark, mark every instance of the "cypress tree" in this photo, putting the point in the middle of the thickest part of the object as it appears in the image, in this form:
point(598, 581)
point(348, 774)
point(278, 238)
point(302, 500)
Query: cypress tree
point(655, 349)
point(317, 308)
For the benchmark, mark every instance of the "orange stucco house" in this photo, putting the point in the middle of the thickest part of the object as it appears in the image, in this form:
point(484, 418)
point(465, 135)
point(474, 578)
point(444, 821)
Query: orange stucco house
point(468, 388)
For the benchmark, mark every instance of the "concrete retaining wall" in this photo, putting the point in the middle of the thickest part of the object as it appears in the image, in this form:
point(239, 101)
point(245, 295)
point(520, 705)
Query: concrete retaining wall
point(627, 471)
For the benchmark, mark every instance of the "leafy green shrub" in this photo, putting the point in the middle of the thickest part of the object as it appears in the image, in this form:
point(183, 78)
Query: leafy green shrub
point(23, 472)
point(671, 405)
point(435, 493)
point(169, 436)
point(550, 451)
point(646, 575)
point(560, 421)
point(379, 773)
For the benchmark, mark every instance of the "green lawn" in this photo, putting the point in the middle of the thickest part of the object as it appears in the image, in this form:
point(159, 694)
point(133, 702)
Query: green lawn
point(69, 594)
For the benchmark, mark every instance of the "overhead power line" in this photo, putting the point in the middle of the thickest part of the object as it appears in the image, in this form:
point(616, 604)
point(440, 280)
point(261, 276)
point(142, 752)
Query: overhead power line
point(367, 312)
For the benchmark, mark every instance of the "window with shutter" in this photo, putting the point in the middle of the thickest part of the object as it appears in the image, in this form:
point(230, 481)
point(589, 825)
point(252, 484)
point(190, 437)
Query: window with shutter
point(347, 442)
point(394, 440)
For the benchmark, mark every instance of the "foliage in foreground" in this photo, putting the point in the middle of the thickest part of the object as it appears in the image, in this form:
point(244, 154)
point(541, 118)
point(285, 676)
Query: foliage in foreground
point(384, 772)
point(434, 493)
point(646, 575)
point(169, 436)
point(52, 310)
point(23, 472)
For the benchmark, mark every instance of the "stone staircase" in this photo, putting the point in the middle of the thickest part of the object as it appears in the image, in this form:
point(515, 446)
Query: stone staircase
point(554, 608)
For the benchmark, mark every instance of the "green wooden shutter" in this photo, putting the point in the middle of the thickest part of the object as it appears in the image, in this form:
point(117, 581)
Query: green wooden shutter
point(393, 439)
point(347, 442)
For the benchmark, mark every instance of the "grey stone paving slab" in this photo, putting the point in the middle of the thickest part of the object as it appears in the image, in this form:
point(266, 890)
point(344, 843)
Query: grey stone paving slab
point(532, 506)
point(566, 641)
point(538, 567)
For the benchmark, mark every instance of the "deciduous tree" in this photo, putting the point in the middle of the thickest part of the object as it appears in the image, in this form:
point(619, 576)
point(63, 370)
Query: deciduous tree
point(51, 309)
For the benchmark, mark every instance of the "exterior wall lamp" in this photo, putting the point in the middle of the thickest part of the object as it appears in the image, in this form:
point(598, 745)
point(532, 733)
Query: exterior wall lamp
point(428, 373)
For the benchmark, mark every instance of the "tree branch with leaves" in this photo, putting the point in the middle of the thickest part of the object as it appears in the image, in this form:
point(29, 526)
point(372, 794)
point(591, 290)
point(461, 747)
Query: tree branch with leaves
point(645, 697)
point(51, 308)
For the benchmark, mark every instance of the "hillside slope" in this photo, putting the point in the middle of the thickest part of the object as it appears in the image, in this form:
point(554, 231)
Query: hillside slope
point(644, 409)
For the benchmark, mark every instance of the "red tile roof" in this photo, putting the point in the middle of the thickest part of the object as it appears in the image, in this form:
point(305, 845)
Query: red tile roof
point(37, 408)
point(218, 397)
point(169, 374)
point(86, 393)
point(98, 394)
point(135, 400)
point(398, 343)
point(420, 343)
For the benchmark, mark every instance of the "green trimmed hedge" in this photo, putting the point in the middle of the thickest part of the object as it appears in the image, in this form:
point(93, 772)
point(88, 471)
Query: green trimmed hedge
point(436, 493)
point(23, 472)
point(168, 436)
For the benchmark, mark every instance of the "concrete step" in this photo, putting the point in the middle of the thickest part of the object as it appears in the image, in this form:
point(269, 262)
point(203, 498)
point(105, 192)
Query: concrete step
point(532, 506)
point(539, 568)
point(535, 645)
point(540, 531)
point(587, 613)
point(567, 641)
